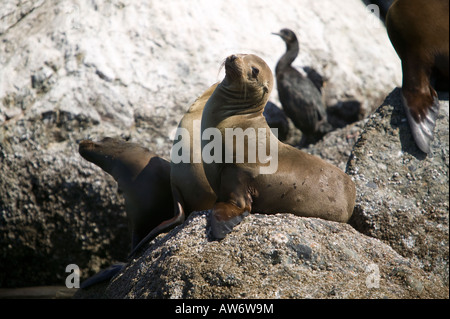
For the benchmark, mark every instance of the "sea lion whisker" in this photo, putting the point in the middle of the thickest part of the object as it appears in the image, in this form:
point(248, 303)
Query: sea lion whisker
point(244, 88)
point(222, 65)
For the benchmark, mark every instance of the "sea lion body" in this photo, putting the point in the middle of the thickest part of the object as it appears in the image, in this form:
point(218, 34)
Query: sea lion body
point(144, 180)
point(189, 184)
point(302, 184)
point(142, 177)
point(419, 32)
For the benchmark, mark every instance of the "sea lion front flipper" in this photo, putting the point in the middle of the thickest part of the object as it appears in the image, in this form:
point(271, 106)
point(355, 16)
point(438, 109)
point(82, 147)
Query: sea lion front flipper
point(419, 31)
point(423, 131)
point(103, 275)
point(224, 217)
point(161, 228)
point(233, 204)
point(419, 100)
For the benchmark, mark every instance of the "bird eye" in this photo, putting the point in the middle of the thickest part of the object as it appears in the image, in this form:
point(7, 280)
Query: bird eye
point(255, 72)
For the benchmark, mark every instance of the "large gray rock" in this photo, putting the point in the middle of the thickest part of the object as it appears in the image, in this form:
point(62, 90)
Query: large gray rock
point(402, 194)
point(86, 69)
point(275, 256)
point(54, 212)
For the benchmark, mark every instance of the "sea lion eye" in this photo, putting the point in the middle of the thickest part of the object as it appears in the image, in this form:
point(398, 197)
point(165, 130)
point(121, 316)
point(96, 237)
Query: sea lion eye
point(255, 72)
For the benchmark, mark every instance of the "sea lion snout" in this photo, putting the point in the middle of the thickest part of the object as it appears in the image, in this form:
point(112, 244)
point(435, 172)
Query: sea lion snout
point(231, 58)
point(87, 150)
point(233, 69)
point(86, 145)
point(231, 61)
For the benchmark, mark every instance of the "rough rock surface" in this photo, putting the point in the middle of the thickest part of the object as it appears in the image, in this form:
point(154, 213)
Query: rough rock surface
point(402, 196)
point(54, 212)
point(284, 256)
point(276, 256)
point(337, 145)
point(87, 69)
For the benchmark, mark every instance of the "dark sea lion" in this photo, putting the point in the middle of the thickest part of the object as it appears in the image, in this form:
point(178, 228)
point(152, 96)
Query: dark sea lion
point(144, 180)
point(300, 183)
point(419, 32)
point(142, 177)
point(300, 96)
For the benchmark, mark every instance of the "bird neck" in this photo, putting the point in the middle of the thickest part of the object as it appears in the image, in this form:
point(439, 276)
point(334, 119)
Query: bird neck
point(289, 56)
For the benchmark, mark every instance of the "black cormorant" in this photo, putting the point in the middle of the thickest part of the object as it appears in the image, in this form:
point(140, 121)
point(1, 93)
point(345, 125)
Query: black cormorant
point(276, 118)
point(299, 96)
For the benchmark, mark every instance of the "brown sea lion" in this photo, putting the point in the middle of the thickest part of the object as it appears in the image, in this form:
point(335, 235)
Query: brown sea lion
point(189, 184)
point(419, 32)
point(300, 183)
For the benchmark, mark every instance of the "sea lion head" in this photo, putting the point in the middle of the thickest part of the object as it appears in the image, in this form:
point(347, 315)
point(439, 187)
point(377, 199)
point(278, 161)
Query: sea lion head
point(124, 161)
point(249, 77)
point(97, 153)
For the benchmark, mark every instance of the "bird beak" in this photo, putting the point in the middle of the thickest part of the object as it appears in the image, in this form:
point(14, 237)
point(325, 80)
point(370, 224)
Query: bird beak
point(276, 34)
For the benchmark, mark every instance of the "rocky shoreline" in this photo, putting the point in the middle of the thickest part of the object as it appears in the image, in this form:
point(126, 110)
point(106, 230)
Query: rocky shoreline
point(71, 71)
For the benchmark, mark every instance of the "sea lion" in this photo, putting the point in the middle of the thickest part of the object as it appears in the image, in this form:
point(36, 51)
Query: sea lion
point(300, 95)
point(419, 32)
point(142, 177)
point(301, 184)
point(144, 180)
point(189, 184)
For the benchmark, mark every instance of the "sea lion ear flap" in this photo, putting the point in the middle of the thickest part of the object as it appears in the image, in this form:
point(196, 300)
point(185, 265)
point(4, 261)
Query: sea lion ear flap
point(224, 217)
